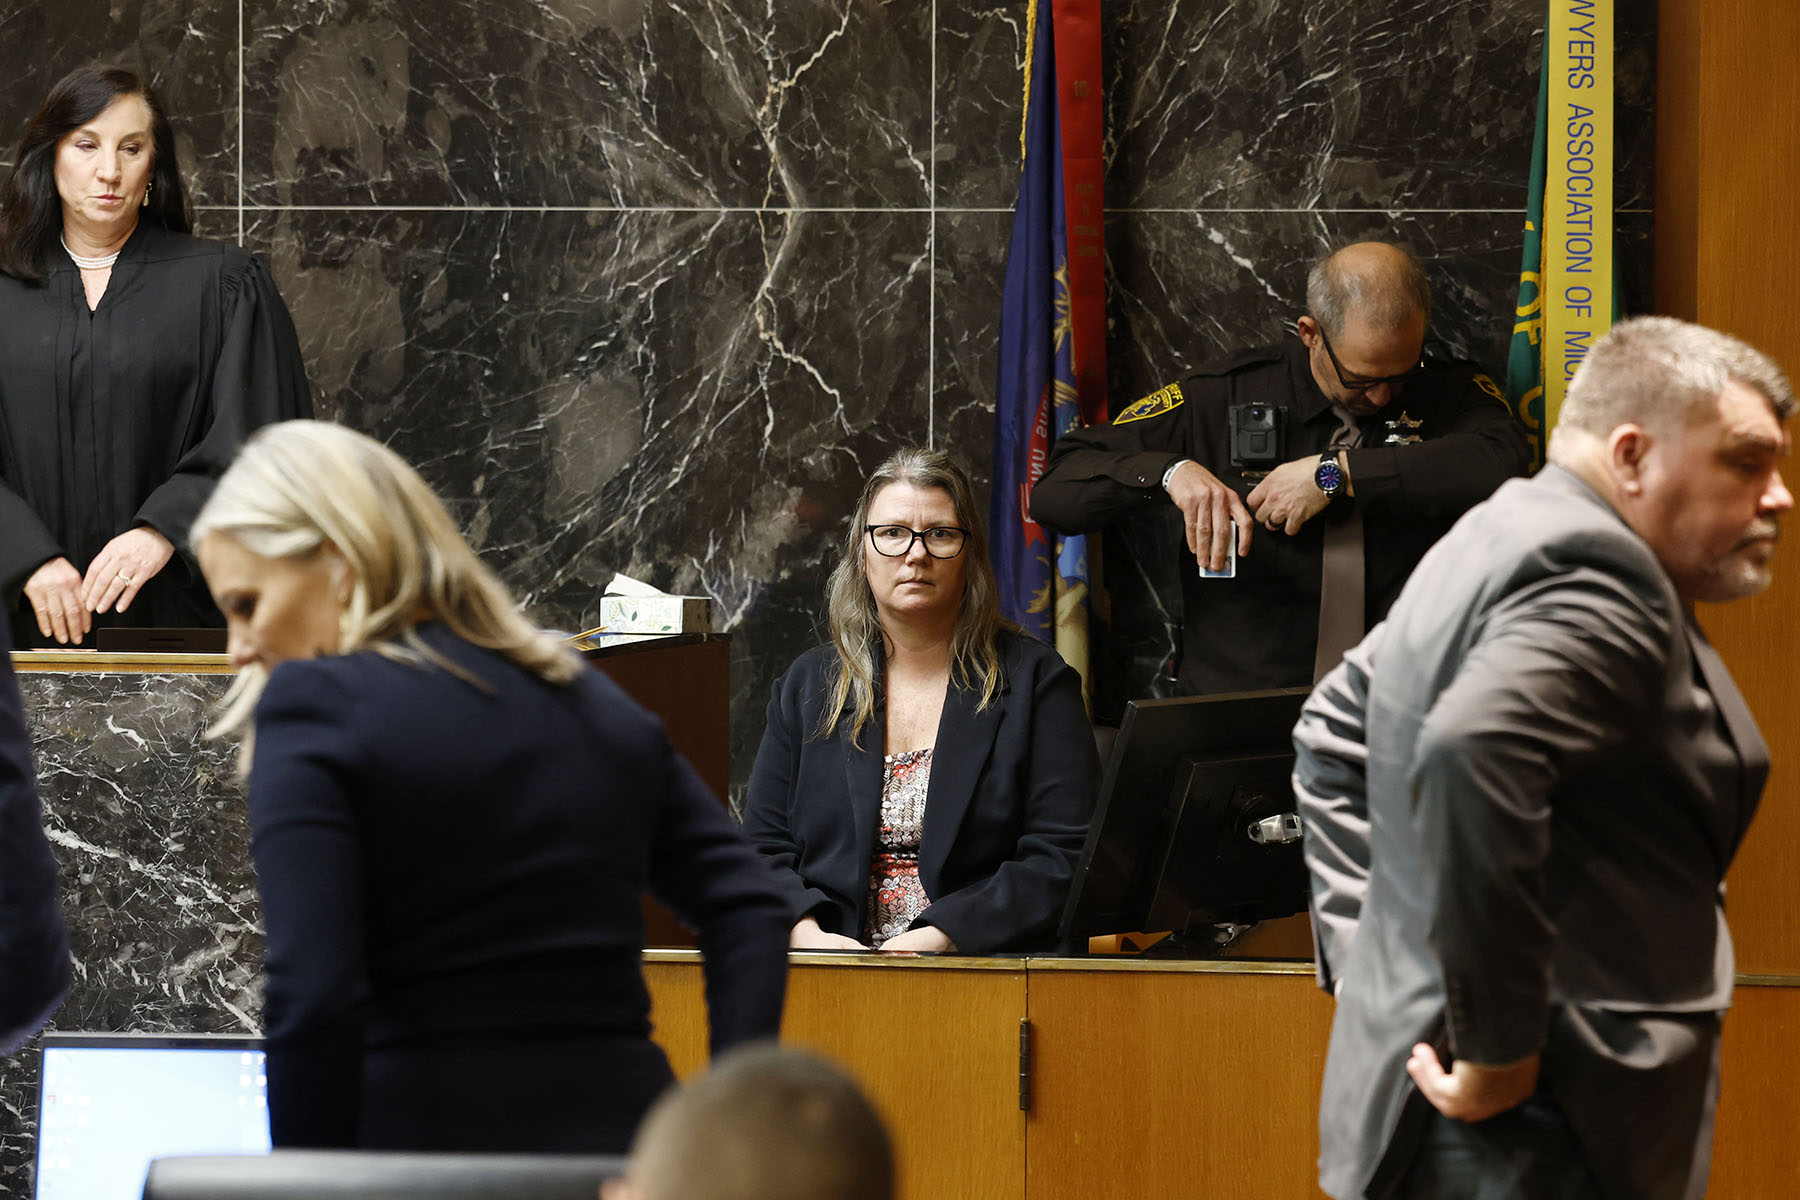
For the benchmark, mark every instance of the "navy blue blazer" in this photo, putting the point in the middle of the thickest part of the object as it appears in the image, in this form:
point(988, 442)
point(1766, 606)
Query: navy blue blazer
point(451, 877)
point(1012, 789)
point(34, 946)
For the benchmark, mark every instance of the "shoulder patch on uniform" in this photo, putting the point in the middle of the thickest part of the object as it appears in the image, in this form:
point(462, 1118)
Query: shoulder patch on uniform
point(1154, 405)
point(1486, 384)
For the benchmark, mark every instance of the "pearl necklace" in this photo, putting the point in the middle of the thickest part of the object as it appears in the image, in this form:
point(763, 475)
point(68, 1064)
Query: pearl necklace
point(90, 264)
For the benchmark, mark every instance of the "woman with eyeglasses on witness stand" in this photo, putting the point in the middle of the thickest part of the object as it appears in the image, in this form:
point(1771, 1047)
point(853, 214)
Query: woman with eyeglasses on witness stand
point(453, 821)
point(925, 780)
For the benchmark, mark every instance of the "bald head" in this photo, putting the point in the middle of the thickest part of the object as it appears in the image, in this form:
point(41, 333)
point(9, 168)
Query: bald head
point(1380, 284)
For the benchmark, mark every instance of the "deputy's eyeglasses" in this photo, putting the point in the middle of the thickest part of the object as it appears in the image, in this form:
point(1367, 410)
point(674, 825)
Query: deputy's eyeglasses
point(896, 541)
point(1357, 383)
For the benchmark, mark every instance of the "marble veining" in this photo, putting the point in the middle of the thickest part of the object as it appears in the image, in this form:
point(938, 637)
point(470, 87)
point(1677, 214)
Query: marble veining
point(590, 103)
point(148, 822)
point(1379, 104)
point(690, 398)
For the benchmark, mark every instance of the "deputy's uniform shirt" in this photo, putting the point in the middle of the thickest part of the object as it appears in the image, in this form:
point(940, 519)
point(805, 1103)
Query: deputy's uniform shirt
point(1438, 448)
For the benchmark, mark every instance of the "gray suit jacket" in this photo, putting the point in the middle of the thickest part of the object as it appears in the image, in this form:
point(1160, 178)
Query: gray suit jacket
point(1521, 794)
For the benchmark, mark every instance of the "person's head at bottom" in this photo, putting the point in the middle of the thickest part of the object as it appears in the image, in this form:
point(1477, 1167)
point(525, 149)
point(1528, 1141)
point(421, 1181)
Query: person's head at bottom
point(763, 1124)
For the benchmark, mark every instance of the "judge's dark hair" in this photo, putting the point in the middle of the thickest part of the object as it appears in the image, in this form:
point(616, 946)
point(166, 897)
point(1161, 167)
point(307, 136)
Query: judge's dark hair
point(31, 209)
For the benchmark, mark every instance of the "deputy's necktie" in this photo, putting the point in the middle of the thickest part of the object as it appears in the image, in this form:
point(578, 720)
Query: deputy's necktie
point(1341, 576)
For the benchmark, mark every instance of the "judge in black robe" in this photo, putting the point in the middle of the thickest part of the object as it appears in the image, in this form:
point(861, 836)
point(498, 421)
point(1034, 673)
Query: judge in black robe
point(122, 415)
point(125, 416)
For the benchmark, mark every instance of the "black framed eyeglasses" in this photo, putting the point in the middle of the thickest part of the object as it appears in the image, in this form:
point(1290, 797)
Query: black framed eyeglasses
point(1357, 383)
point(896, 541)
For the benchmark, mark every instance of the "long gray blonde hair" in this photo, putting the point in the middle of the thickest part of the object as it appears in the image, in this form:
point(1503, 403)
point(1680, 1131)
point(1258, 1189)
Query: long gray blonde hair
point(298, 486)
point(856, 625)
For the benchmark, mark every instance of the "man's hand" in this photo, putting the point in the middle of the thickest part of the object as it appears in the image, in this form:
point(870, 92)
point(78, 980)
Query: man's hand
point(1287, 497)
point(1470, 1091)
point(1208, 507)
point(54, 590)
point(123, 566)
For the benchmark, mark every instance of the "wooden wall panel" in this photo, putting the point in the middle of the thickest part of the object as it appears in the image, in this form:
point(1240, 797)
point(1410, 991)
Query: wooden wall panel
point(1174, 1084)
point(1754, 1153)
point(1151, 1080)
point(936, 1048)
point(1728, 251)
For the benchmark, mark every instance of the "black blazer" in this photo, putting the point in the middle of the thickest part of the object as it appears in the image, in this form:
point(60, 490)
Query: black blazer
point(34, 947)
point(1012, 790)
point(451, 878)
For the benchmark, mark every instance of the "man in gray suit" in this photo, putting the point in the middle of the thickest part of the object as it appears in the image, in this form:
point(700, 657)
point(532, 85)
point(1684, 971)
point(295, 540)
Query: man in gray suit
point(1522, 791)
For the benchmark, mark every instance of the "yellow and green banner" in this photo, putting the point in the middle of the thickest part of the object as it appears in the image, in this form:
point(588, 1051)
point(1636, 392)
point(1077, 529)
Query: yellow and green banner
point(1568, 293)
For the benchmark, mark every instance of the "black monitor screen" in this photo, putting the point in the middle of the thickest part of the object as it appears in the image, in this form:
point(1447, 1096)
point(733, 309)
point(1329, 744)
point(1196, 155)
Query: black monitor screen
point(1194, 824)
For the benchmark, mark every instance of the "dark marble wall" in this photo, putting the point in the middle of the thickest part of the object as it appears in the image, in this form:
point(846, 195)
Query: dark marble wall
point(649, 287)
point(148, 823)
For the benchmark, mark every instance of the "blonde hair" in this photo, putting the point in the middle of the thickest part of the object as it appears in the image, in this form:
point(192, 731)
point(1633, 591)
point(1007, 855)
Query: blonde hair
point(298, 486)
point(856, 625)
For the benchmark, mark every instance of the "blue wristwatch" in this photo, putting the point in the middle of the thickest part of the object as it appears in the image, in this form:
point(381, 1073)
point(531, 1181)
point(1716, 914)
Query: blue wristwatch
point(1329, 476)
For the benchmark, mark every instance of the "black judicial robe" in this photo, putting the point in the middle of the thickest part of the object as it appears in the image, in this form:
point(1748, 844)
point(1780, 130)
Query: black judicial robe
point(126, 416)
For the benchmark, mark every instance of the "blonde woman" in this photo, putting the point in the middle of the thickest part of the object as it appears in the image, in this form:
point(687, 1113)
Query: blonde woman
point(925, 780)
point(453, 821)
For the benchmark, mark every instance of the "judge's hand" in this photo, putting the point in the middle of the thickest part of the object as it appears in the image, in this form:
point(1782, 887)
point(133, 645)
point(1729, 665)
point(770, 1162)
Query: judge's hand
point(806, 935)
point(924, 939)
point(54, 590)
point(1208, 506)
point(1471, 1091)
point(1287, 498)
point(123, 566)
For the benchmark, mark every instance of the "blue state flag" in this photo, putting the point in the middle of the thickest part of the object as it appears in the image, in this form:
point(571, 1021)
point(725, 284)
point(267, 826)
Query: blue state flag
point(1043, 578)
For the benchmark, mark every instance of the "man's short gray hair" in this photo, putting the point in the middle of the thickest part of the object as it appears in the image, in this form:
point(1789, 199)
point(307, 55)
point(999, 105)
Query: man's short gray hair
point(1652, 371)
point(1388, 296)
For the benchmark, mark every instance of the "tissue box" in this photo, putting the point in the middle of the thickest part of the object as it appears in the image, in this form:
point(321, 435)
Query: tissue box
point(656, 614)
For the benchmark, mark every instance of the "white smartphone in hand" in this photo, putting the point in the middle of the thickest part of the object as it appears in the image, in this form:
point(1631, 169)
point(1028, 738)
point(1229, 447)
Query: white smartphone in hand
point(1229, 571)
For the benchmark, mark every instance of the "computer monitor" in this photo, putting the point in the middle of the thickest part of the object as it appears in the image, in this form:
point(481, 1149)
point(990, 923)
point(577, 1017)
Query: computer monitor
point(109, 1103)
point(1195, 824)
point(381, 1175)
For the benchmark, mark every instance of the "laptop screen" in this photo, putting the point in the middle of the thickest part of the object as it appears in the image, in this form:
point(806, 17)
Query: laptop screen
point(109, 1103)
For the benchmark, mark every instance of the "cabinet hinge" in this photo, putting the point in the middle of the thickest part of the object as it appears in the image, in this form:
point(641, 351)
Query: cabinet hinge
point(1024, 1066)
